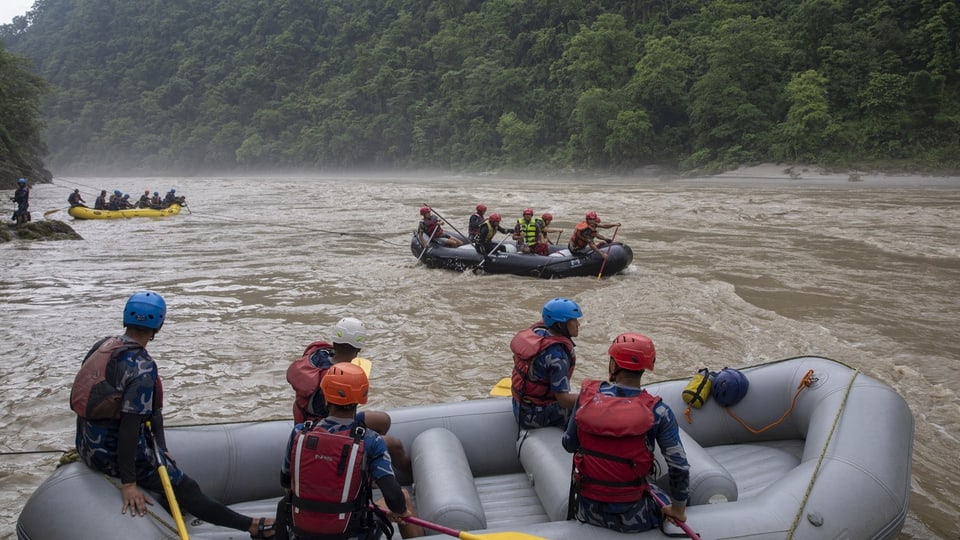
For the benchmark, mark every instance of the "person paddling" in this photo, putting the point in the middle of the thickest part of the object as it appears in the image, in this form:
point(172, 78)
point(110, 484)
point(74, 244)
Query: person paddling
point(585, 234)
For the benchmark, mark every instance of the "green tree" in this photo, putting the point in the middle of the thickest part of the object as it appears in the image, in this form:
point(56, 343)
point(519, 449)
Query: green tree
point(806, 129)
point(22, 147)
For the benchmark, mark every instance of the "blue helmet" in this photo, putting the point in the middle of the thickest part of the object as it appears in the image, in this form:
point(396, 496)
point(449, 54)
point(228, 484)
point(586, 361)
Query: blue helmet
point(560, 310)
point(22, 181)
point(156, 192)
point(117, 192)
point(729, 387)
point(145, 308)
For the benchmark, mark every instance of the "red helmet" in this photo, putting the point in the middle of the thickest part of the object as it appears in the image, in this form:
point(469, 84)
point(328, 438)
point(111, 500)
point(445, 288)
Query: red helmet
point(592, 215)
point(425, 211)
point(547, 216)
point(633, 352)
point(495, 218)
point(481, 208)
point(528, 211)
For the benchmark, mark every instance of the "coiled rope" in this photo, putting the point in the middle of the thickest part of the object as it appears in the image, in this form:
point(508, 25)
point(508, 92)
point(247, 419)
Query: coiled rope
point(823, 453)
point(807, 380)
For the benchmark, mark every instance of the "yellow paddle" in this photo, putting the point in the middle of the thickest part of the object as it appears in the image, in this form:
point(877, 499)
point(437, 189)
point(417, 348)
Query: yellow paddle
point(502, 388)
point(168, 487)
point(48, 212)
point(614, 237)
point(363, 363)
point(465, 535)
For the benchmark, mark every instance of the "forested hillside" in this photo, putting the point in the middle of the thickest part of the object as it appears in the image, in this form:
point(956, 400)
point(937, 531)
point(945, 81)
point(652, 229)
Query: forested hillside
point(469, 84)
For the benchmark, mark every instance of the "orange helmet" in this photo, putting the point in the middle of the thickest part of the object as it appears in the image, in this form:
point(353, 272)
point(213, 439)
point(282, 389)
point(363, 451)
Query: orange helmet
point(345, 384)
point(633, 352)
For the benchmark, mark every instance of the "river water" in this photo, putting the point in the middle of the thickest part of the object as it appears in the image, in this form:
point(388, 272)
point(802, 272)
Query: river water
point(727, 272)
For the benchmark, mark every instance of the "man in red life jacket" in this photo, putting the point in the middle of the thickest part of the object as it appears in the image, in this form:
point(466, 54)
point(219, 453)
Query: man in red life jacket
point(585, 234)
point(612, 435)
point(543, 362)
point(305, 374)
point(117, 390)
point(431, 231)
point(330, 467)
point(477, 219)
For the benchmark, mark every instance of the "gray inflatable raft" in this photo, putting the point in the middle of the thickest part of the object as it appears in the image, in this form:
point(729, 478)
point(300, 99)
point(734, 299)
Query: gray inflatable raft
point(837, 466)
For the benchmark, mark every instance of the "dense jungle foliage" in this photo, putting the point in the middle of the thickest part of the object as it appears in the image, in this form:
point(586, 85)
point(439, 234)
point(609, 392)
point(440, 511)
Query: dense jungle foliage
point(471, 84)
point(22, 147)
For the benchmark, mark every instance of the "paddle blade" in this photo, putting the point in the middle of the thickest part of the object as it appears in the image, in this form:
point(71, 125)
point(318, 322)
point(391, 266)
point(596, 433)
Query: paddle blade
point(363, 363)
point(48, 212)
point(502, 388)
point(500, 536)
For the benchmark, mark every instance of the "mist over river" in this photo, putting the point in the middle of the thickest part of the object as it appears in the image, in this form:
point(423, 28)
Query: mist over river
point(727, 271)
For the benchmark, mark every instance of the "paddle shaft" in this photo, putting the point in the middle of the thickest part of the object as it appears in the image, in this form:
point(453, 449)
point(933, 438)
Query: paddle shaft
point(461, 534)
point(168, 487)
point(427, 245)
point(495, 248)
point(686, 528)
point(612, 238)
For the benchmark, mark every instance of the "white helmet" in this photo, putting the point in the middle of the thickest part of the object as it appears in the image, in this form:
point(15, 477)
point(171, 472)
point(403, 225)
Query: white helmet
point(350, 331)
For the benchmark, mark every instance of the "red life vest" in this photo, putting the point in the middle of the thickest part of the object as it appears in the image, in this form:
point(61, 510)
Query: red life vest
point(577, 241)
point(94, 394)
point(305, 379)
point(526, 346)
point(613, 460)
point(329, 484)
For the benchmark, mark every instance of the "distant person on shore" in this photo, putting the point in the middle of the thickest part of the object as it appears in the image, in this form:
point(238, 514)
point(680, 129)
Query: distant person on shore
point(76, 200)
point(22, 197)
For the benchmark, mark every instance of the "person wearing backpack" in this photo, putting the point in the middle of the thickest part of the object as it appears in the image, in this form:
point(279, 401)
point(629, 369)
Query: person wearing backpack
point(347, 338)
point(116, 393)
point(612, 434)
point(330, 468)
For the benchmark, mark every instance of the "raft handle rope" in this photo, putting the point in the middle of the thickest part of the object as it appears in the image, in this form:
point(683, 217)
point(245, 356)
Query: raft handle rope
point(806, 382)
point(823, 453)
